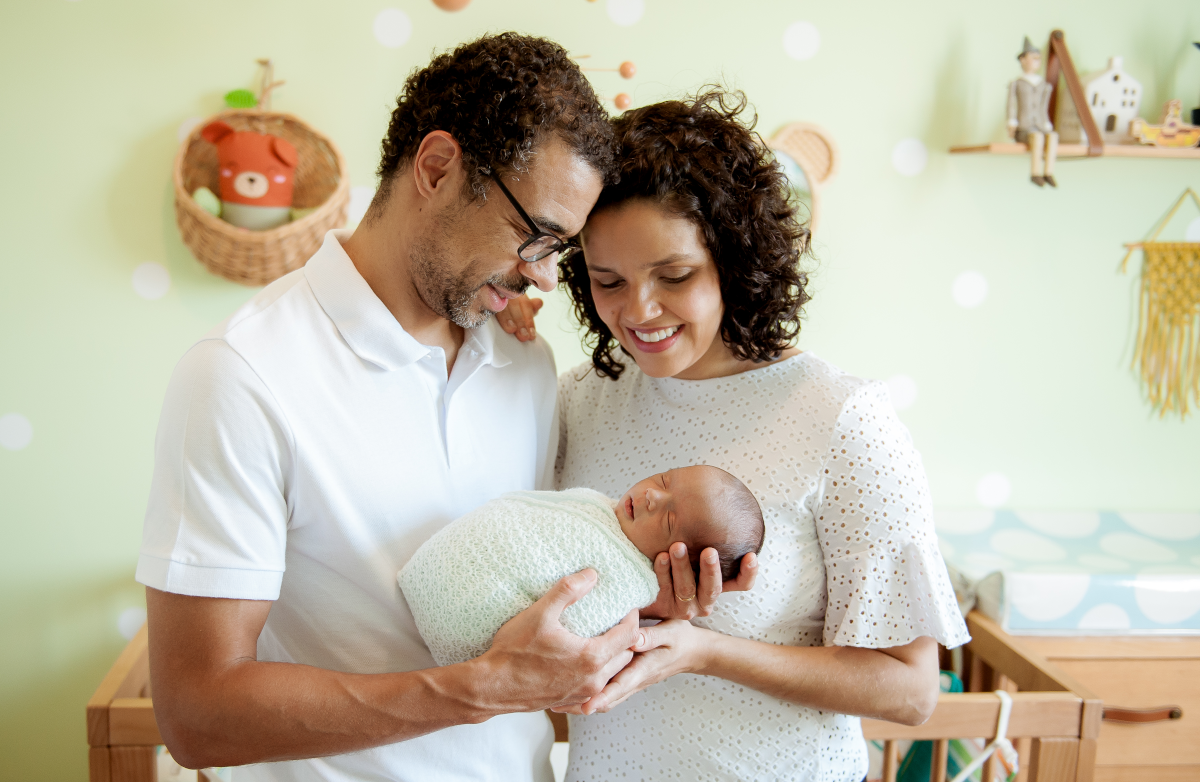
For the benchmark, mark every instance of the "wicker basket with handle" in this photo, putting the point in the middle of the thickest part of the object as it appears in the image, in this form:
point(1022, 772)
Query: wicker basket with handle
point(258, 257)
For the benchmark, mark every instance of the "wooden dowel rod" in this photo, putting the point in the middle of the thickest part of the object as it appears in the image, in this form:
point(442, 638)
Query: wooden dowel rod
point(989, 768)
point(941, 756)
point(1023, 747)
point(891, 760)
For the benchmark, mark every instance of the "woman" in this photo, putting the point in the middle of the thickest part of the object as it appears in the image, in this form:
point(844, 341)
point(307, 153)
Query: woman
point(690, 269)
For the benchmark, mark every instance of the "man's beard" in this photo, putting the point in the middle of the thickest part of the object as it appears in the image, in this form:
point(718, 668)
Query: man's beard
point(450, 295)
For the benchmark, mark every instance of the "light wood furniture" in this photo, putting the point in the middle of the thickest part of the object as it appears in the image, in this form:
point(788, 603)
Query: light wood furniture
point(1079, 150)
point(1137, 672)
point(122, 734)
point(1055, 719)
point(1054, 724)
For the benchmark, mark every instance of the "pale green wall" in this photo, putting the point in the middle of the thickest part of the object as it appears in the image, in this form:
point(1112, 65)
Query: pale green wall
point(1033, 384)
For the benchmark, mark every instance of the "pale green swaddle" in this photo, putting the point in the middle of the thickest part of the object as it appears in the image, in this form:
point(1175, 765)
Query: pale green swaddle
point(485, 568)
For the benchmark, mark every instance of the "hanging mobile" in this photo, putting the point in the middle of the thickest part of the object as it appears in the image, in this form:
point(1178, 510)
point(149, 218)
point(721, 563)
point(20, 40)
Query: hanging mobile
point(627, 70)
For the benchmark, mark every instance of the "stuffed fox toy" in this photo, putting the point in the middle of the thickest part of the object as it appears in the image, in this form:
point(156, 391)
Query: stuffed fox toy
point(257, 175)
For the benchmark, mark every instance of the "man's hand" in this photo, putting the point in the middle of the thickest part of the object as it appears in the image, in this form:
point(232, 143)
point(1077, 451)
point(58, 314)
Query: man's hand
point(218, 705)
point(517, 317)
point(678, 595)
point(535, 663)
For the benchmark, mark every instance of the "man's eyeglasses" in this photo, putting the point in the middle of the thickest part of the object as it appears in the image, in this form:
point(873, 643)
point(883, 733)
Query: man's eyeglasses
point(540, 244)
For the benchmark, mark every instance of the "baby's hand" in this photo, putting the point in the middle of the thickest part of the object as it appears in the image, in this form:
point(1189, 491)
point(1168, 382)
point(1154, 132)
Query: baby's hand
point(517, 317)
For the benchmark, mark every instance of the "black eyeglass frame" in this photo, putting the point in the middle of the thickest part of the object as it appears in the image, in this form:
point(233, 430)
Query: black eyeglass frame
point(555, 245)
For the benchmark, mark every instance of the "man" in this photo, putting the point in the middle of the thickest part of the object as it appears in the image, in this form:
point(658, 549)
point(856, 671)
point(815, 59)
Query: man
point(313, 441)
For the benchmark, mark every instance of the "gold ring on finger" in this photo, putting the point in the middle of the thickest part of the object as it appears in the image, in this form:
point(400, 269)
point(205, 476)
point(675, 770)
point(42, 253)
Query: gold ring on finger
point(683, 599)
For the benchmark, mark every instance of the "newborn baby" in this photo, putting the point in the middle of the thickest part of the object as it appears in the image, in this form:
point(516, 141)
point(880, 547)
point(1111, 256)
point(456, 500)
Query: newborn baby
point(485, 568)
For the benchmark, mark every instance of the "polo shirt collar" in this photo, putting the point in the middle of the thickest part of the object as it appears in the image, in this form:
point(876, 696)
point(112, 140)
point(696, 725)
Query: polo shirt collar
point(484, 343)
point(368, 326)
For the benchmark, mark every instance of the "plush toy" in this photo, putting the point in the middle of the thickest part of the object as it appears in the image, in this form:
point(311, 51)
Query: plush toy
point(257, 173)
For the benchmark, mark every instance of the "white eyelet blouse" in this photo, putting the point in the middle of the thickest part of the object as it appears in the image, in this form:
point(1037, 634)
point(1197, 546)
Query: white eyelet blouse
point(850, 557)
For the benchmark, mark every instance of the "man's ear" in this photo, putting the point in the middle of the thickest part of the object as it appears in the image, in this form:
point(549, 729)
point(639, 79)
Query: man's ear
point(437, 164)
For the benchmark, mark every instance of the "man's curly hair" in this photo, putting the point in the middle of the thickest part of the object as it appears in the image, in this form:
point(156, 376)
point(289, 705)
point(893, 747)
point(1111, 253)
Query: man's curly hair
point(701, 161)
point(499, 97)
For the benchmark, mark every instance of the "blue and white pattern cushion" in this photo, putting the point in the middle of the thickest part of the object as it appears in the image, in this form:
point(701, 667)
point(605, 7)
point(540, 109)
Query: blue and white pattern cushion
point(1084, 572)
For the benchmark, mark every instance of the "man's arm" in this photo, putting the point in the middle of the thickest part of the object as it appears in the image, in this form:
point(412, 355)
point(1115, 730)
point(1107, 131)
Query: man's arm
point(217, 705)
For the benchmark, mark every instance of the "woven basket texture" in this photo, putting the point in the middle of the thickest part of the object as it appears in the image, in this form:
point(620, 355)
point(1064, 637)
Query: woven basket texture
point(258, 257)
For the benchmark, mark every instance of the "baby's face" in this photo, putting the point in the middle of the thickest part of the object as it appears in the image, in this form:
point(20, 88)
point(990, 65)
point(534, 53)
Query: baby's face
point(665, 508)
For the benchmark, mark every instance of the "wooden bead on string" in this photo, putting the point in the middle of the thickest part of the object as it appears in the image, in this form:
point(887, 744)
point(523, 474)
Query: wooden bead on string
point(627, 69)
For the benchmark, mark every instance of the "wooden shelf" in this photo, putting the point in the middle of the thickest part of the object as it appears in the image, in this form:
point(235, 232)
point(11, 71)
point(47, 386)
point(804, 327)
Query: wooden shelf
point(1079, 150)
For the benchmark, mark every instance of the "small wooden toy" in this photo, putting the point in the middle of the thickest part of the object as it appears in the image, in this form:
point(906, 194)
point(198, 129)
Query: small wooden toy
point(1029, 116)
point(1113, 97)
point(1171, 132)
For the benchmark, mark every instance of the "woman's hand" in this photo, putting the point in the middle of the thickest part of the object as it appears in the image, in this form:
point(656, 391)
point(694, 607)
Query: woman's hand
point(517, 317)
point(661, 651)
point(678, 595)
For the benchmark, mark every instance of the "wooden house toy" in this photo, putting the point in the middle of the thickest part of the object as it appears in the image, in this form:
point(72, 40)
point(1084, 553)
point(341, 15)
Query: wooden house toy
point(1113, 97)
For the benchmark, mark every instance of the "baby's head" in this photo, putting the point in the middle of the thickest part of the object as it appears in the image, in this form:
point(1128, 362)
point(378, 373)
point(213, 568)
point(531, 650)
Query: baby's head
point(699, 506)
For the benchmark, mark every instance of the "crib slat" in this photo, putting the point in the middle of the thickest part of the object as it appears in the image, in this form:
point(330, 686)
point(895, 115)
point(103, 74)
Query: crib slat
point(133, 764)
point(990, 767)
point(941, 755)
point(1053, 760)
point(1023, 747)
point(891, 760)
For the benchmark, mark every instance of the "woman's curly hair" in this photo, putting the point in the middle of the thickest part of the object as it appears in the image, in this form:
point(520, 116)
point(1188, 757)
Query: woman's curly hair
point(700, 160)
point(498, 96)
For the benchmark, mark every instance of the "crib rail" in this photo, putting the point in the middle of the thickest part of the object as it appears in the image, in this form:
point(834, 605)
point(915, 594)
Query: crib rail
point(1054, 722)
point(121, 731)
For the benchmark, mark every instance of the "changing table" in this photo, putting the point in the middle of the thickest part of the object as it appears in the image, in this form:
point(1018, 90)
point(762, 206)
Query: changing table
point(1113, 601)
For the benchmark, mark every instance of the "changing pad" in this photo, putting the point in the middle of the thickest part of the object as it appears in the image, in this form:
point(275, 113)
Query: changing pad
point(1079, 573)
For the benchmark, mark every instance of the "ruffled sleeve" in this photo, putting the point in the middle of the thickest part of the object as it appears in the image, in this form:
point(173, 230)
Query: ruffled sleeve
point(887, 584)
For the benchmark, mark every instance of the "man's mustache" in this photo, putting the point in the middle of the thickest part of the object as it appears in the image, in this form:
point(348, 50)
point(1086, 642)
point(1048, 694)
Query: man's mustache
point(517, 284)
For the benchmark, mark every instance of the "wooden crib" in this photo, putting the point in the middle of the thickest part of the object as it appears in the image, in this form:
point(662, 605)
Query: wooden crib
point(1054, 722)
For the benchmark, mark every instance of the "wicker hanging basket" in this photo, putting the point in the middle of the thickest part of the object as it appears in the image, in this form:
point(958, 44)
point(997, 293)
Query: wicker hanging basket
point(258, 257)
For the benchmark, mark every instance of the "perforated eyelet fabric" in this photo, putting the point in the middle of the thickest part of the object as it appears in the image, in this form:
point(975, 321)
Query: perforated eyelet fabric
point(850, 556)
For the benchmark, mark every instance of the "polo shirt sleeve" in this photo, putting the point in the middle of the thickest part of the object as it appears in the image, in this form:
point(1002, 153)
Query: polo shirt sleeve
point(216, 521)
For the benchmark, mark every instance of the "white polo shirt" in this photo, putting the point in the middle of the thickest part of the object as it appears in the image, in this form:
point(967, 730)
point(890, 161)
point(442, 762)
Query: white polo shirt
point(307, 446)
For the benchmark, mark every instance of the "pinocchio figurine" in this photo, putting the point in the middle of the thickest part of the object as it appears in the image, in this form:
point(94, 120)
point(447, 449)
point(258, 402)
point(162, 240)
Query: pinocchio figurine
point(1029, 118)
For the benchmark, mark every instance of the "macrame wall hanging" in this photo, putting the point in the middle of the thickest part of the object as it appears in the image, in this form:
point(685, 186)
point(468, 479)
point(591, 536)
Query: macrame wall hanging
point(1167, 348)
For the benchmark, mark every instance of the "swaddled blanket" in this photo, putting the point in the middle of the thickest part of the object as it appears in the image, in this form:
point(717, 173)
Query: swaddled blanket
point(483, 569)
